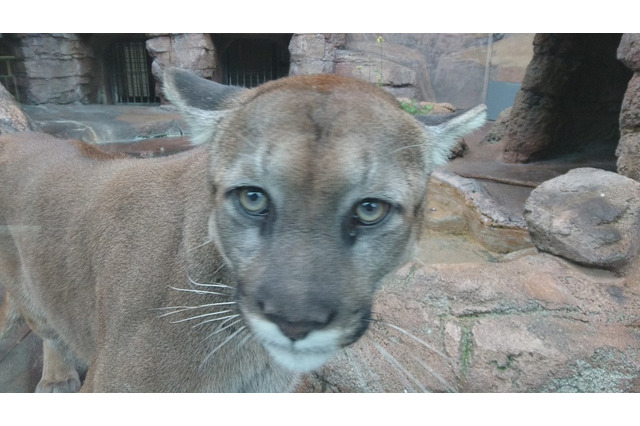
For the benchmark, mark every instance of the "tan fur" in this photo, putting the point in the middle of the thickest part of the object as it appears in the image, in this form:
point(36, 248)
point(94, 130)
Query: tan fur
point(115, 262)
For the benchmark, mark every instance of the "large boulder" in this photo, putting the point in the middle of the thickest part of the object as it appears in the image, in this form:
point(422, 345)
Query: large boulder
point(12, 119)
point(570, 98)
point(534, 324)
point(314, 53)
point(194, 52)
point(628, 150)
point(587, 215)
point(55, 68)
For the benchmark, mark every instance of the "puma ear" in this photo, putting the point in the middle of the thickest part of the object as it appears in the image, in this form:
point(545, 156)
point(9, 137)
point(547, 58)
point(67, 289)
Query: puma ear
point(203, 103)
point(442, 133)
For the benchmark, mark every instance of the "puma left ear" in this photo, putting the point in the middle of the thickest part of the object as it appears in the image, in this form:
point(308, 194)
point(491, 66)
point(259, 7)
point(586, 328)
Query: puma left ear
point(203, 103)
point(442, 137)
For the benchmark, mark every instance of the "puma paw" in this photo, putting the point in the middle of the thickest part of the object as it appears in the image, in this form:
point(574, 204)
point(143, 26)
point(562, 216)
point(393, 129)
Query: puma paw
point(70, 385)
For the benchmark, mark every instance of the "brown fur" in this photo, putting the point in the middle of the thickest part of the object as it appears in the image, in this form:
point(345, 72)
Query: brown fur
point(94, 152)
point(117, 263)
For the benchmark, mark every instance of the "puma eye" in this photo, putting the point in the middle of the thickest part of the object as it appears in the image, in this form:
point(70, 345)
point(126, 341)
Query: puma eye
point(253, 201)
point(369, 211)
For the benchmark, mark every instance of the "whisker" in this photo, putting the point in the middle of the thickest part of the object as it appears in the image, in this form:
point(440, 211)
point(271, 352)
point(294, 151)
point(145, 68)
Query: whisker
point(435, 374)
point(189, 290)
point(224, 319)
point(223, 325)
point(203, 316)
point(218, 285)
point(415, 259)
point(248, 336)
point(223, 328)
point(224, 342)
point(198, 246)
point(417, 339)
point(398, 366)
point(188, 308)
point(405, 147)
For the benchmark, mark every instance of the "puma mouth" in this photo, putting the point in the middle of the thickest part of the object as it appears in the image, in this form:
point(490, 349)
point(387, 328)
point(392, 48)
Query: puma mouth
point(298, 361)
point(299, 356)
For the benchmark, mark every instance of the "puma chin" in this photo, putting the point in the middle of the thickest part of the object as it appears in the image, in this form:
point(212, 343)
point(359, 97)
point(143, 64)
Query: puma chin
point(233, 266)
point(309, 351)
point(299, 356)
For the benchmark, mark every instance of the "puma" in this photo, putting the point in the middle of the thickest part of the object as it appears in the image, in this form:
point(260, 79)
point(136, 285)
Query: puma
point(233, 266)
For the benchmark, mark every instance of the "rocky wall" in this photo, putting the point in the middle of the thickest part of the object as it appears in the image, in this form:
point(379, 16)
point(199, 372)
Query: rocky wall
point(68, 68)
point(570, 98)
point(431, 67)
point(54, 68)
point(194, 52)
point(628, 151)
point(12, 119)
point(314, 53)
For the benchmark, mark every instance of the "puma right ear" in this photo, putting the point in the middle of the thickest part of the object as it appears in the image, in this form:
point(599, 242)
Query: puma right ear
point(442, 136)
point(203, 103)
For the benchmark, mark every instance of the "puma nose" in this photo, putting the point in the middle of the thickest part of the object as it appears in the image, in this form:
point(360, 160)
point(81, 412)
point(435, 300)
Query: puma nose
point(296, 330)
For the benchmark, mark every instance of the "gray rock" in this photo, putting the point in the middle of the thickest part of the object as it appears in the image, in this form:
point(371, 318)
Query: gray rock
point(194, 52)
point(12, 119)
point(628, 150)
point(629, 51)
point(569, 100)
point(534, 324)
point(587, 215)
point(498, 129)
point(314, 53)
point(55, 68)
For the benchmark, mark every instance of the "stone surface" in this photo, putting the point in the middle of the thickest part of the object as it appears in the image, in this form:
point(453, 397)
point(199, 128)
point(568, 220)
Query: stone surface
point(193, 52)
point(12, 119)
point(499, 128)
point(570, 98)
point(392, 66)
point(534, 324)
point(314, 53)
point(72, 68)
point(467, 206)
point(58, 68)
point(107, 123)
point(429, 67)
point(628, 151)
point(629, 51)
point(589, 216)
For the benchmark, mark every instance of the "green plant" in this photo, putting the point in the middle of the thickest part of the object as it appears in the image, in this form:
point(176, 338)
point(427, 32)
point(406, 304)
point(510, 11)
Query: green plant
point(415, 108)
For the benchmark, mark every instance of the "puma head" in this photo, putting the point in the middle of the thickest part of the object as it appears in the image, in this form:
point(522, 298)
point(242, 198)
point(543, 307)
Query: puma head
point(320, 186)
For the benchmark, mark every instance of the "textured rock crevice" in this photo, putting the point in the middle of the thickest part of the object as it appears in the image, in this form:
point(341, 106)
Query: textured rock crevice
point(537, 324)
point(570, 98)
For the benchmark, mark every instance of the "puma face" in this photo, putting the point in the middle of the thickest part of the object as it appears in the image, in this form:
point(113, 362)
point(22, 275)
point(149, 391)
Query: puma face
point(319, 185)
point(313, 214)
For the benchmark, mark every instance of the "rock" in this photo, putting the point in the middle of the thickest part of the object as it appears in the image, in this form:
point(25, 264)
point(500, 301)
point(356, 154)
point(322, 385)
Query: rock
point(436, 108)
point(478, 208)
point(314, 53)
point(101, 124)
point(497, 131)
point(193, 52)
point(534, 324)
point(629, 51)
point(587, 215)
point(628, 150)
point(12, 119)
point(364, 63)
point(59, 68)
point(570, 98)
point(459, 75)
